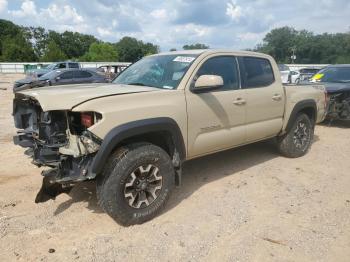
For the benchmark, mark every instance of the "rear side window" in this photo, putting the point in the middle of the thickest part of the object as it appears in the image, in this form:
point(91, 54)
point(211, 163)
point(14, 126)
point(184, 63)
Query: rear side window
point(255, 72)
point(224, 66)
point(82, 74)
point(73, 65)
point(67, 75)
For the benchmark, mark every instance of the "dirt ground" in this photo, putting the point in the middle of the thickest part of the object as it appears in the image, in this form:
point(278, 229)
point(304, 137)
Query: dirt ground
point(247, 204)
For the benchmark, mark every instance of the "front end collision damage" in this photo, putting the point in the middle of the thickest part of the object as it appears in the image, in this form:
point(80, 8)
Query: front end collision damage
point(58, 140)
point(338, 106)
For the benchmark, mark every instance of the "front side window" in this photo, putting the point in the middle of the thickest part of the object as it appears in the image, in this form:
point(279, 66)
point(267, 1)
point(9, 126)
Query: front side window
point(162, 71)
point(67, 75)
point(224, 66)
point(255, 72)
point(62, 65)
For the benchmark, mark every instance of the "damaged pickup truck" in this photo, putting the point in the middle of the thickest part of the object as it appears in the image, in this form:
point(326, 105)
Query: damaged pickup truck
point(336, 79)
point(133, 135)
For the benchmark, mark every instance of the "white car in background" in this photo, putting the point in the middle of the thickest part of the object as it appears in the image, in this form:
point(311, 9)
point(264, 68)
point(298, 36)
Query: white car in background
point(295, 77)
point(285, 73)
point(303, 74)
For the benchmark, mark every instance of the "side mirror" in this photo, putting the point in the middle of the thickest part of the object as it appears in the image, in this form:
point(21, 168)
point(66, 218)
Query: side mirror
point(208, 82)
point(58, 78)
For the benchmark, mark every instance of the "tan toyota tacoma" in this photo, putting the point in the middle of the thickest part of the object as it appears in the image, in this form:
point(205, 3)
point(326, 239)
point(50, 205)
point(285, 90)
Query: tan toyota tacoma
point(134, 134)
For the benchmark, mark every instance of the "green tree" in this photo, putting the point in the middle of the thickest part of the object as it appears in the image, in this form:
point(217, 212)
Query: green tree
point(17, 49)
point(130, 49)
point(14, 47)
point(53, 53)
point(38, 36)
point(309, 48)
point(72, 44)
point(101, 52)
point(279, 42)
point(195, 46)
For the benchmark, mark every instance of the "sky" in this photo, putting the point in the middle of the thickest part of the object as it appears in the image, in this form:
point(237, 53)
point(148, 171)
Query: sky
point(234, 24)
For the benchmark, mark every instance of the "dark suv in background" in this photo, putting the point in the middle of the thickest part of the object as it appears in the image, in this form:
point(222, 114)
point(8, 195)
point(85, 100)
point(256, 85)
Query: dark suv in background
point(336, 79)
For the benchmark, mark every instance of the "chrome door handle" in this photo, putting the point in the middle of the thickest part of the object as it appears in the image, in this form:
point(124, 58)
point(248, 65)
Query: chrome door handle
point(277, 97)
point(239, 101)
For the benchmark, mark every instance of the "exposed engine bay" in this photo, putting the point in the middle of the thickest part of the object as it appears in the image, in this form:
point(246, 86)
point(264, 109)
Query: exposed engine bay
point(56, 139)
point(339, 106)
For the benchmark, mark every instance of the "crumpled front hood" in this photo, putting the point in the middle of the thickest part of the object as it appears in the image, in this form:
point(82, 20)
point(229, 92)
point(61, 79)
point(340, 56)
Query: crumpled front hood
point(66, 97)
point(27, 80)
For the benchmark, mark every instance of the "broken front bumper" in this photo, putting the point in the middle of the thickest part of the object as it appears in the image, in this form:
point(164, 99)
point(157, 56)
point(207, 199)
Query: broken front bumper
point(51, 141)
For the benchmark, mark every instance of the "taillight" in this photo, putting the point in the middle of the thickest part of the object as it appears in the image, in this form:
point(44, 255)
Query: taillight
point(87, 119)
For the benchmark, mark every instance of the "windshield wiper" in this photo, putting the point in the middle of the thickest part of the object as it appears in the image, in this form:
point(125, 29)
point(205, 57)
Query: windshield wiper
point(136, 84)
point(141, 84)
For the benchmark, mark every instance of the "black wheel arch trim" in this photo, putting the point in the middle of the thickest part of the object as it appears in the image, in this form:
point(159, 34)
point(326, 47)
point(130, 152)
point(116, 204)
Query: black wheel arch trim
point(136, 128)
point(300, 106)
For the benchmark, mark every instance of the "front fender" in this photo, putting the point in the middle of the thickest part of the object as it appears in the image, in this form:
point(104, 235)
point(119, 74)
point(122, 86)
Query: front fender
point(136, 128)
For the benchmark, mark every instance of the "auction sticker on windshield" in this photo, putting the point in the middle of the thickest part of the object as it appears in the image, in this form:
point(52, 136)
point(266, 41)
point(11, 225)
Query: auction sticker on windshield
point(184, 59)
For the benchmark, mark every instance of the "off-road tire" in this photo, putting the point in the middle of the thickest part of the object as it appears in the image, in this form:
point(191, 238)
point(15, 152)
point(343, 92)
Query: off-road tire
point(121, 164)
point(287, 144)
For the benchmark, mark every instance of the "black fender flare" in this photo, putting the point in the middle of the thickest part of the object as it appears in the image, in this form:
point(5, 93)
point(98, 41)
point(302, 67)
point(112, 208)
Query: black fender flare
point(136, 128)
point(305, 104)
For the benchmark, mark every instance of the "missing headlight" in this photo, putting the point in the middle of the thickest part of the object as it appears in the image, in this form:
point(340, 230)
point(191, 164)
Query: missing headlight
point(81, 121)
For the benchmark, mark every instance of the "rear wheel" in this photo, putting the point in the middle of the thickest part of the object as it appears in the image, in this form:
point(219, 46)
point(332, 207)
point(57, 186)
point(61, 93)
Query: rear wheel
point(136, 183)
point(298, 140)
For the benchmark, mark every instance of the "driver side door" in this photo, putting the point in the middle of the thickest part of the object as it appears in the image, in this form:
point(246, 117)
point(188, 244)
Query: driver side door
point(216, 118)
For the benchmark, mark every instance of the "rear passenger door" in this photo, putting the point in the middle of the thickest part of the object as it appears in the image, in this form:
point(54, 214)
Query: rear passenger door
point(265, 98)
point(82, 77)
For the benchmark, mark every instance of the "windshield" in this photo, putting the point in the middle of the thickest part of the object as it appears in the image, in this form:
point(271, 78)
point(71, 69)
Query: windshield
point(333, 75)
point(163, 71)
point(48, 75)
point(51, 66)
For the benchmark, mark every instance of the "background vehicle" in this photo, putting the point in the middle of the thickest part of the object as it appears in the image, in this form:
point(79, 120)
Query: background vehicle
point(54, 66)
point(336, 79)
point(61, 77)
point(294, 77)
point(285, 73)
point(111, 71)
point(303, 74)
point(133, 135)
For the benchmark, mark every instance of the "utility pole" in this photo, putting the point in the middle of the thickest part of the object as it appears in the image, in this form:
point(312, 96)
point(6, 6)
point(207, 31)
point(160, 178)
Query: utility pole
point(293, 56)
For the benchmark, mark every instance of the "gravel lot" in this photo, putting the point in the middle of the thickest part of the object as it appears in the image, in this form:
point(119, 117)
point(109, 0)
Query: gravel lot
point(247, 204)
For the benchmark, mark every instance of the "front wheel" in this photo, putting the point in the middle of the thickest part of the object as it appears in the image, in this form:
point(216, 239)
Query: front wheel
point(298, 139)
point(136, 183)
